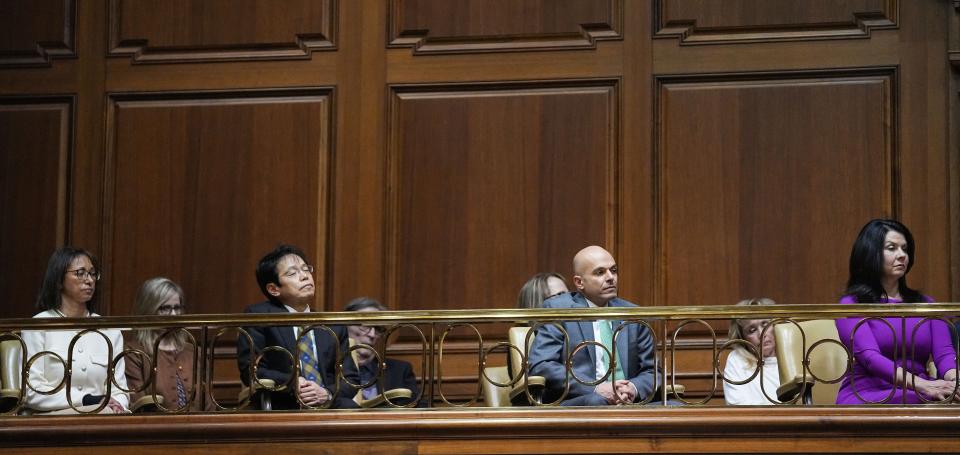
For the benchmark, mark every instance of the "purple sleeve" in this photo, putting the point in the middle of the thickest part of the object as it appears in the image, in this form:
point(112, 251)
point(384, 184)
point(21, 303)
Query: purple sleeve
point(865, 349)
point(941, 337)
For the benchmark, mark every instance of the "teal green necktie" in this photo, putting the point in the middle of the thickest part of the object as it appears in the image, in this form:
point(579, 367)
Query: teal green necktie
point(605, 337)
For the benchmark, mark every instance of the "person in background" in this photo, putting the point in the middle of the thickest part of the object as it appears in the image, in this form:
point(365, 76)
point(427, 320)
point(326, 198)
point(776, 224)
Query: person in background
point(69, 291)
point(397, 374)
point(742, 363)
point(286, 279)
point(882, 256)
point(540, 287)
point(175, 356)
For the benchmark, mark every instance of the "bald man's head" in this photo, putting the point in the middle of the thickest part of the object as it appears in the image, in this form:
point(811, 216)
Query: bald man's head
point(595, 274)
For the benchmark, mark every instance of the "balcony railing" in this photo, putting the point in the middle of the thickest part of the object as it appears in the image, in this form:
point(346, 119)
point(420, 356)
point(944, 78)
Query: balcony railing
point(433, 330)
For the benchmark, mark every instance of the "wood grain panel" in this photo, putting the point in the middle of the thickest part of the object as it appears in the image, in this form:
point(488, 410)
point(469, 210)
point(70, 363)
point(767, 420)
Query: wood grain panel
point(492, 184)
point(764, 183)
point(217, 30)
point(36, 145)
point(456, 26)
point(32, 32)
point(724, 21)
point(201, 185)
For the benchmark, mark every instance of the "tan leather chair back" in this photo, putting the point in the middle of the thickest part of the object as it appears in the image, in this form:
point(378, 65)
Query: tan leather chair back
point(10, 363)
point(517, 337)
point(828, 361)
point(494, 396)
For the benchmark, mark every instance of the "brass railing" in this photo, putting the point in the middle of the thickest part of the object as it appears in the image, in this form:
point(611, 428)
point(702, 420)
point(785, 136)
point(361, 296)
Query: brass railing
point(432, 329)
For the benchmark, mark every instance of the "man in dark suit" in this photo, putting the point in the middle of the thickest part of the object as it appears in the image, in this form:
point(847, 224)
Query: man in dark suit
point(397, 374)
point(286, 279)
point(595, 279)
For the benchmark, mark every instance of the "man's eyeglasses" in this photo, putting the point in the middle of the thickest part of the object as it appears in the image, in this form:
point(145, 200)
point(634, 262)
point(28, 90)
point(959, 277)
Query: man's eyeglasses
point(292, 272)
point(371, 329)
point(83, 273)
point(170, 309)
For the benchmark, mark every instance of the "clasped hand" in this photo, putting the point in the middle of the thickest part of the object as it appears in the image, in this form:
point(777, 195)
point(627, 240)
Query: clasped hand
point(312, 393)
point(622, 388)
point(938, 390)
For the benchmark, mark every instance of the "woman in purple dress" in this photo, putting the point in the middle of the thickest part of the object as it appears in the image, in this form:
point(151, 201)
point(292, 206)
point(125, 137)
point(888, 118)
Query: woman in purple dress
point(882, 256)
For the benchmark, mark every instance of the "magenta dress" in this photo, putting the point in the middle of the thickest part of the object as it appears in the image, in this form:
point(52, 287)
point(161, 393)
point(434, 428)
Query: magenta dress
point(873, 348)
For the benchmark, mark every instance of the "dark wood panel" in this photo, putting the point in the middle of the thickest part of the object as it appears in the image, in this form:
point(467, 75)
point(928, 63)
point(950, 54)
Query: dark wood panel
point(32, 32)
point(201, 185)
point(764, 183)
point(455, 26)
point(490, 185)
point(718, 21)
point(212, 30)
point(36, 145)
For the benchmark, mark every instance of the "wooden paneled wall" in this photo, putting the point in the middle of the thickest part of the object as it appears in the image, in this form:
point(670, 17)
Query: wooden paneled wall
point(437, 153)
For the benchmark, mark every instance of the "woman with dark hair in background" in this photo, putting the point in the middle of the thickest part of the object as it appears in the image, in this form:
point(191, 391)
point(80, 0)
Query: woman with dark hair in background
point(742, 363)
point(882, 255)
point(539, 288)
point(175, 356)
point(69, 291)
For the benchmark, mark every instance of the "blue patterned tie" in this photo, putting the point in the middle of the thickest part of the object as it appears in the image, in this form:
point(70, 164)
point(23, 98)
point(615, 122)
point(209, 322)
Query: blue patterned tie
point(181, 392)
point(310, 367)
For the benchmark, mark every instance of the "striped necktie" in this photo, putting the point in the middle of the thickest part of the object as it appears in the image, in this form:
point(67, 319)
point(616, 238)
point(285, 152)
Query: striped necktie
point(181, 392)
point(310, 369)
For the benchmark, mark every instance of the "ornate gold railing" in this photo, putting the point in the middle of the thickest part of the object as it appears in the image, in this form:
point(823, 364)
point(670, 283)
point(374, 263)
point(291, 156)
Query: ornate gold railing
point(432, 329)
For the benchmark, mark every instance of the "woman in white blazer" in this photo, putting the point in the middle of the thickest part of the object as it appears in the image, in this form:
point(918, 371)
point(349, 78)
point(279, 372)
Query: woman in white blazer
point(69, 291)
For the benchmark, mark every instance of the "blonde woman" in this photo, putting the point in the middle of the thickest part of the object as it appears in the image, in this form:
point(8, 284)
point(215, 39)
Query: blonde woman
point(174, 376)
point(541, 287)
point(741, 363)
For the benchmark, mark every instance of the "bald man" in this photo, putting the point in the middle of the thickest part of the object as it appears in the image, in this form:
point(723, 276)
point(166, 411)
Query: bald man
point(595, 280)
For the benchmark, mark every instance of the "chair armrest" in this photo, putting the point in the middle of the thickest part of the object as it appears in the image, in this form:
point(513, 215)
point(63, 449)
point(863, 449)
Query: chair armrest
point(675, 389)
point(789, 390)
point(9, 399)
point(146, 403)
point(261, 389)
point(537, 385)
point(381, 399)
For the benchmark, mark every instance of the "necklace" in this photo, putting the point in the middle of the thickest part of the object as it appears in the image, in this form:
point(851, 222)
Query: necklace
point(85, 313)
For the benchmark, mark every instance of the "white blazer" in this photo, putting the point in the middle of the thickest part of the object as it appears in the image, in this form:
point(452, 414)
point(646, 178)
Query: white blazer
point(90, 362)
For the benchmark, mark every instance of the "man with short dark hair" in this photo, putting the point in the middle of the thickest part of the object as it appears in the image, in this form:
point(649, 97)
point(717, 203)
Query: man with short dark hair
point(286, 279)
point(595, 279)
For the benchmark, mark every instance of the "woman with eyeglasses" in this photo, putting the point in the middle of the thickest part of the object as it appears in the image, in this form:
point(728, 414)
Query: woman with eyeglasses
point(174, 358)
point(69, 291)
point(882, 255)
point(742, 362)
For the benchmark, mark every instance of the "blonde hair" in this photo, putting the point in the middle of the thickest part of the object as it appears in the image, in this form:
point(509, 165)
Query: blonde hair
point(535, 290)
point(150, 297)
point(736, 331)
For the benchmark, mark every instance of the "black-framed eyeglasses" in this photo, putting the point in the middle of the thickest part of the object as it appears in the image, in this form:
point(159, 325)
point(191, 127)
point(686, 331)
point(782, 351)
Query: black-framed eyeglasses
point(170, 309)
point(83, 273)
point(305, 268)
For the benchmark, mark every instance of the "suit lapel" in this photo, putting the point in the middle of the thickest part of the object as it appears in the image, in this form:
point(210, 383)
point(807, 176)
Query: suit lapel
point(586, 329)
